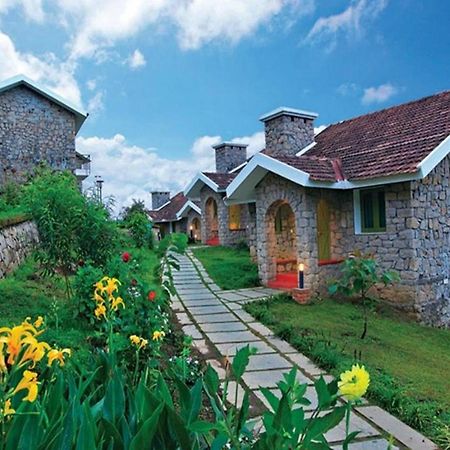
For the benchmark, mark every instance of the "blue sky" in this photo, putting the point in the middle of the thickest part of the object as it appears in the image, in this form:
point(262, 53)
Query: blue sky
point(164, 80)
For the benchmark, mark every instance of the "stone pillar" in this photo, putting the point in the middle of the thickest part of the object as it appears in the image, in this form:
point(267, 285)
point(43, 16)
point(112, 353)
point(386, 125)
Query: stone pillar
point(159, 198)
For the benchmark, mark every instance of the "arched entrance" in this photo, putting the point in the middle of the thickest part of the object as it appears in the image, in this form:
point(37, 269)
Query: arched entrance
point(281, 241)
point(194, 229)
point(211, 222)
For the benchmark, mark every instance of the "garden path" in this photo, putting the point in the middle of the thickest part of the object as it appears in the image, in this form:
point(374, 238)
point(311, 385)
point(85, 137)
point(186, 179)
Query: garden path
point(219, 326)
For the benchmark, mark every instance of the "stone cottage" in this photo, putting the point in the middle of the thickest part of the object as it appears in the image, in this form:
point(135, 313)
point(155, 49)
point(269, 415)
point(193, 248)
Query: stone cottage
point(379, 183)
point(37, 127)
point(224, 224)
point(176, 215)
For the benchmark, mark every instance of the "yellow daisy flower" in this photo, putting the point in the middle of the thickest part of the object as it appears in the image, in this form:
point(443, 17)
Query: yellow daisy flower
point(354, 383)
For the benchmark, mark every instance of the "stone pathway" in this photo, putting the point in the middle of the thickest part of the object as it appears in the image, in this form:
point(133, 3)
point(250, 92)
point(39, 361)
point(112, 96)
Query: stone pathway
point(219, 326)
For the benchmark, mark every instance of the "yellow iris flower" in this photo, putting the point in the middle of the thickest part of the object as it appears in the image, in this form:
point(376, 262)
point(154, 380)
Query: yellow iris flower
point(354, 383)
point(58, 355)
point(35, 350)
point(38, 322)
point(116, 302)
point(138, 341)
point(158, 335)
point(30, 383)
point(100, 311)
point(2, 358)
point(14, 338)
point(8, 411)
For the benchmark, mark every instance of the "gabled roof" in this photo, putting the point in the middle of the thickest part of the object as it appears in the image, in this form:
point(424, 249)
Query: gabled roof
point(175, 209)
point(396, 144)
point(218, 182)
point(22, 80)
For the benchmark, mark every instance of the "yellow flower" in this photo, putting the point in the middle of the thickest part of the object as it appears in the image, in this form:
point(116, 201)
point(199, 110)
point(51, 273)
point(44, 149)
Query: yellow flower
point(100, 311)
point(111, 286)
point(115, 302)
point(97, 297)
point(35, 350)
point(144, 343)
point(354, 383)
point(38, 322)
point(158, 335)
point(14, 337)
point(135, 339)
point(8, 411)
point(29, 382)
point(56, 354)
point(2, 358)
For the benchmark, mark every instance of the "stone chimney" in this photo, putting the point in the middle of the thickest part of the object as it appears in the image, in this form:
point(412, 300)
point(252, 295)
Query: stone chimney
point(229, 155)
point(288, 130)
point(159, 198)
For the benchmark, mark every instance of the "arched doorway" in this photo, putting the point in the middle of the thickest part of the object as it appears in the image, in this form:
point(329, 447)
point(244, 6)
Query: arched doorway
point(211, 222)
point(194, 229)
point(281, 241)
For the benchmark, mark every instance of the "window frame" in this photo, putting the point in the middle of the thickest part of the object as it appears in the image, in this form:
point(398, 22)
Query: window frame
point(359, 218)
point(236, 215)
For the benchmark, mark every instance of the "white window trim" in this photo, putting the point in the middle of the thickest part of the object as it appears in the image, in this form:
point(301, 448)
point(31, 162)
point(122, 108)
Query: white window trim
point(357, 212)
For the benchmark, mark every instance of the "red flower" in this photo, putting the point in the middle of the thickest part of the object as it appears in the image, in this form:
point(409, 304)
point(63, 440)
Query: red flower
point(125, 257)
point(152, 295)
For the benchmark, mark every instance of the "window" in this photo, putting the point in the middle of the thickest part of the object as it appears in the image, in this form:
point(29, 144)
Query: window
point(373, 210)
point(234, 217)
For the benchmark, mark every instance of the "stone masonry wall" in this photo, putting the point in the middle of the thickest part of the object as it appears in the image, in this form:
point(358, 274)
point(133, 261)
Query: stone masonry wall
point(33, 130)
point(287, 135)
point(416, 242)
point(227, 237)
point(16, 243)
point(229, 156)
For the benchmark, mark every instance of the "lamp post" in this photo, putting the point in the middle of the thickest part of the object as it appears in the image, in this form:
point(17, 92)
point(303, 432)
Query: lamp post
point(99, 185)
point(301, 276)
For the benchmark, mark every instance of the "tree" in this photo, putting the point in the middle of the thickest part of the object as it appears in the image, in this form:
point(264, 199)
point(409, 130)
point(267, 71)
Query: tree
point(360, 273)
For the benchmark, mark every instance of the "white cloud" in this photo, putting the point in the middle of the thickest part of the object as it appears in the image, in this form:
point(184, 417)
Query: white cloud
point(46, 69)
point(347, 89)
point(256, 142)
point(130, 171)
point(349, 22)
point(96, 104)
point(379, 94)
point(91, 84)
point(32, 8)
point(100, 24)
point(136, 60)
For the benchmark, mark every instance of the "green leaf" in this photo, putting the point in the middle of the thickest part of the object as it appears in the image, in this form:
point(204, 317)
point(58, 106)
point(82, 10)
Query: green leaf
point(146, 433)
point(87, 430)
point(240, 362)
point(114, 404)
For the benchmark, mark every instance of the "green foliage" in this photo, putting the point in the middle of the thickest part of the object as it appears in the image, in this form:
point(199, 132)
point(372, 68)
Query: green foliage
point(137, 206)
point(140, 227)
point(396, 356)
point(360, 273)
point(71, 227)
point(230, 268)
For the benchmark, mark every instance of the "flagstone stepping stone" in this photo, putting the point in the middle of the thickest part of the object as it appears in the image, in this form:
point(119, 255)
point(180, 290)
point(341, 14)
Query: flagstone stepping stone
point(197, 310)
point(192, 331)
point(373, 444)
point(268, 362)
point(204, 295)
point(310, 394)
point(231, 296)
point(260, 328)
point(269, 378)
point(223, 327)
point(214, 318)
point(232, 336)
point(211, 301)
point(281, 345)
point(305, 364)
point(231, 349)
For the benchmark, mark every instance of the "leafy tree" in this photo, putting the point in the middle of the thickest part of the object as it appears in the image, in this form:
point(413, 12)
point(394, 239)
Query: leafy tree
point(140, 227)
point(138, 206)
point(360, 273)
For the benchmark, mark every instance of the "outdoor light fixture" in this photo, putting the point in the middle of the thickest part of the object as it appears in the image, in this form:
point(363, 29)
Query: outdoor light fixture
point(301, 276)
point(192, 231)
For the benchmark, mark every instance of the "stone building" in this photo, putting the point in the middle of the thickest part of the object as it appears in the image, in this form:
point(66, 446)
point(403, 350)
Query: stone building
point(37, 127)
point(224, 224)
point(378, 183)
point(176, 215)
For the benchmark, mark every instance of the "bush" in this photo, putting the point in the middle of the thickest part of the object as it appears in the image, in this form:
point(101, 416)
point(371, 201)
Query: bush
point(140, 228)
point(71, 227)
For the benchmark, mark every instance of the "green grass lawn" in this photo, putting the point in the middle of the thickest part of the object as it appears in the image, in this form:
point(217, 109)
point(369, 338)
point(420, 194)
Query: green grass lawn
point(230, 268)
point(415, 358)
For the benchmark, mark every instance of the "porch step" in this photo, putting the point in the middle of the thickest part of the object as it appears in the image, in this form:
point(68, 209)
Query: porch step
point(213, 241)
point(284, 281)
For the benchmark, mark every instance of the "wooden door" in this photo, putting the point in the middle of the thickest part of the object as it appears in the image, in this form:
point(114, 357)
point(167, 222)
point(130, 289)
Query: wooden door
point(323, 230)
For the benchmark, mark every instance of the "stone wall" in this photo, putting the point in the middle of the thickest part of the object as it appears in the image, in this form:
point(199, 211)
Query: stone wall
point(16, 243)
point(287, 135)
point(416, 242)
point(226, 236)
point(33, 130)
point(229, 156)
point(194, 220)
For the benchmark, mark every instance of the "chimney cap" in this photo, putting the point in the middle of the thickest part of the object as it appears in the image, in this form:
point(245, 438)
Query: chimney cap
point(285, 111)
point(229, 144)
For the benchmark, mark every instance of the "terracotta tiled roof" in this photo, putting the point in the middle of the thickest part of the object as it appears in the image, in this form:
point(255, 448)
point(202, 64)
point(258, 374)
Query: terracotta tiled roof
point(221, 179)
point(168, 213)
point(387, 142)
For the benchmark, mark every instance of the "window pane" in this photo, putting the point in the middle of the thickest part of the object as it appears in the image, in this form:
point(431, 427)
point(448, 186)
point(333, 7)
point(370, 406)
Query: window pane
point(382, 210)
point(367, 209)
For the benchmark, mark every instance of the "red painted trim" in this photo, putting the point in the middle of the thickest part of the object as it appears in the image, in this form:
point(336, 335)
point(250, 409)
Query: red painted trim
point(329, 262)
